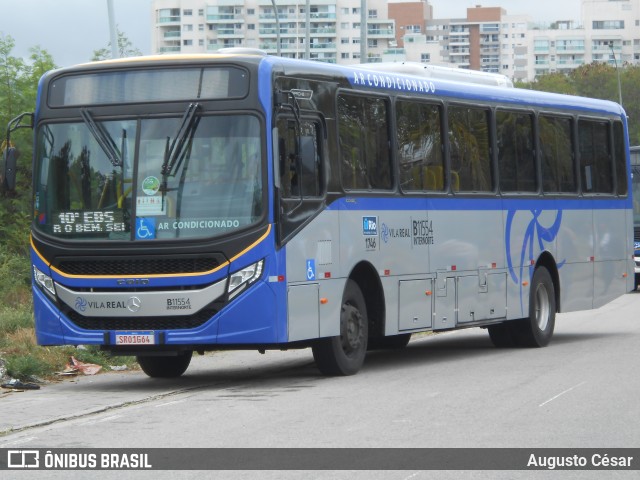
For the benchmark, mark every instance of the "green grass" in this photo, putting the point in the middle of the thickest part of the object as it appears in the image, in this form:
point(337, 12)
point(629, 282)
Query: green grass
point(26, 360)
point(22, 357)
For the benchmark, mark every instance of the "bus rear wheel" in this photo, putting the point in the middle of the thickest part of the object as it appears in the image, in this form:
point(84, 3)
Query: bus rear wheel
point(165, 367)
point(537, 330)
point(344, 354)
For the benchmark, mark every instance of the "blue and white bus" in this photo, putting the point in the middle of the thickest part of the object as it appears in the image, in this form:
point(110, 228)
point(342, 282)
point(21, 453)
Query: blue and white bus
point(242, 201)
point(635, 190)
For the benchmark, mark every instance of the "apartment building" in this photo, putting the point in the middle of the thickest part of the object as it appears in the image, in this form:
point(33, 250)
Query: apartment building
point(334, 35)
point(487, 38)
point(609, 32)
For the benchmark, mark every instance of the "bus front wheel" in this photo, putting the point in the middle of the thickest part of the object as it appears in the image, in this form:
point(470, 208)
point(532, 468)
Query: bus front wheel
point(165, 367)
point(344, 354)
point(537, 330)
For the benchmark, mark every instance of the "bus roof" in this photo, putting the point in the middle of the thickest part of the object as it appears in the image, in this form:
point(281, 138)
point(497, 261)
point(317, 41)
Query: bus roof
point(381, 77)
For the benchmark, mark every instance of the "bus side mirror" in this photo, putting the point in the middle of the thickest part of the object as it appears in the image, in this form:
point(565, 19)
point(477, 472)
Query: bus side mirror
point(10, 155)
point(8, 172)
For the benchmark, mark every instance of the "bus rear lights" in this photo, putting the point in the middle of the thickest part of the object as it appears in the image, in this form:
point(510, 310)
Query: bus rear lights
point(44, 281)
point(241, 279)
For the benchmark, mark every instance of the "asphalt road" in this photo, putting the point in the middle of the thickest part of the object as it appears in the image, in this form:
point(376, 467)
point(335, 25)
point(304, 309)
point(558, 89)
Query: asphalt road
point(446, 390)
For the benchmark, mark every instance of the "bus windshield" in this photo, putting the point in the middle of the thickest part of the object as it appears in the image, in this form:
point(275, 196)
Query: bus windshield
point(148, 179)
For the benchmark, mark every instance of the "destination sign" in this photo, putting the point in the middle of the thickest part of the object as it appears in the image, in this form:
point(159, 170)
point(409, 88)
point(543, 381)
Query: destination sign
point(88, 221)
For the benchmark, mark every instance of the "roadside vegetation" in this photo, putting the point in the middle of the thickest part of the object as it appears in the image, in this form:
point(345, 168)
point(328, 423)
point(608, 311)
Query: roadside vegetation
point(20, 357)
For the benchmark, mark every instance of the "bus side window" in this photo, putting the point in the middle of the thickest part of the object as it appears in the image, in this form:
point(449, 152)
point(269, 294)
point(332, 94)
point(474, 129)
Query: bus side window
point(299, 159)
point(620, 160)
point(363, 129)
point(556, 148)
point(516, 159)
point(469, 147)
point(419, 146)
point(596, 160)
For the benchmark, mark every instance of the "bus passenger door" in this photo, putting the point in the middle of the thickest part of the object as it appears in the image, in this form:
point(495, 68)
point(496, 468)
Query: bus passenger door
point(299, 173)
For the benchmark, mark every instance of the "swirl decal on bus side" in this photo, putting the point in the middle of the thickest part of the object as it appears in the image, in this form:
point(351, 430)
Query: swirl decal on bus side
point(534, 231)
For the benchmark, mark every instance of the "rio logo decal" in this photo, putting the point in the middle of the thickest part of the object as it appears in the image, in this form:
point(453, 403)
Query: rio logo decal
point(535, 239)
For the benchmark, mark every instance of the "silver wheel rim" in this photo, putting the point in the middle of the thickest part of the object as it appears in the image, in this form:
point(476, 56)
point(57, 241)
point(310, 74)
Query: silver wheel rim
point(542, 307)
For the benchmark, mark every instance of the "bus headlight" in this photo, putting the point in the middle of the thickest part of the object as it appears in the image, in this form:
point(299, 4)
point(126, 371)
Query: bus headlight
point(241, 279)
point(44, 281)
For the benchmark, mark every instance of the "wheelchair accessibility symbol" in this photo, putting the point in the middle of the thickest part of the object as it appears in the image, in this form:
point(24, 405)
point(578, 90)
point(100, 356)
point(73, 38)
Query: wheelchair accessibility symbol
point(145, 228)
point(311, 269)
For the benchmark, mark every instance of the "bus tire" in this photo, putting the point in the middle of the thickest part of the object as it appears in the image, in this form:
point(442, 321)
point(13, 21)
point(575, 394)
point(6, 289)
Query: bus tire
point(165, 367)
point(501, 335)
point(537, 330)
point(392, 342)
point(344, 354)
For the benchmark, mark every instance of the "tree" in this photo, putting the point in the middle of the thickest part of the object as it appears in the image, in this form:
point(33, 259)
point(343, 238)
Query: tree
point(598, 80)
point(18, 91)
point(11, 74)
point(551, 82)
point(125, 49)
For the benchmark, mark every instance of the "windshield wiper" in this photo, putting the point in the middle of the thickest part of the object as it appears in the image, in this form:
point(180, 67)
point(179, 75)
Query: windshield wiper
point(103, 138)
point(173, 154)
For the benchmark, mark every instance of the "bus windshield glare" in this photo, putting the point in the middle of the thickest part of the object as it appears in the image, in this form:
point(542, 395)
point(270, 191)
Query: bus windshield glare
point(181, 179)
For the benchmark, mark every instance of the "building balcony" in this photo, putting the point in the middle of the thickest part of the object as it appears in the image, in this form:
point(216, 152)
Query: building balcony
point(381, 33)
point(230, 33)
point(574, 62)
point(570, 49)
point(173, 49)
point(606, 48)
point(301, 17)
point(225, 18)
point(317, 15)
point(328, 46)
point(461, 64)
point(169, 20)
point(171, 35)
point(284, 32)
point(323, 30)
point(271, 17)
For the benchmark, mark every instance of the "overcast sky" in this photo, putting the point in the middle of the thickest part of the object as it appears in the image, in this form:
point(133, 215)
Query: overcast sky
point(72, 29)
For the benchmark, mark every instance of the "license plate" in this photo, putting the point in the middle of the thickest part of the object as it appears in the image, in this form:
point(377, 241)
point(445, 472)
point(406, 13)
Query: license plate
point(135, 338)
